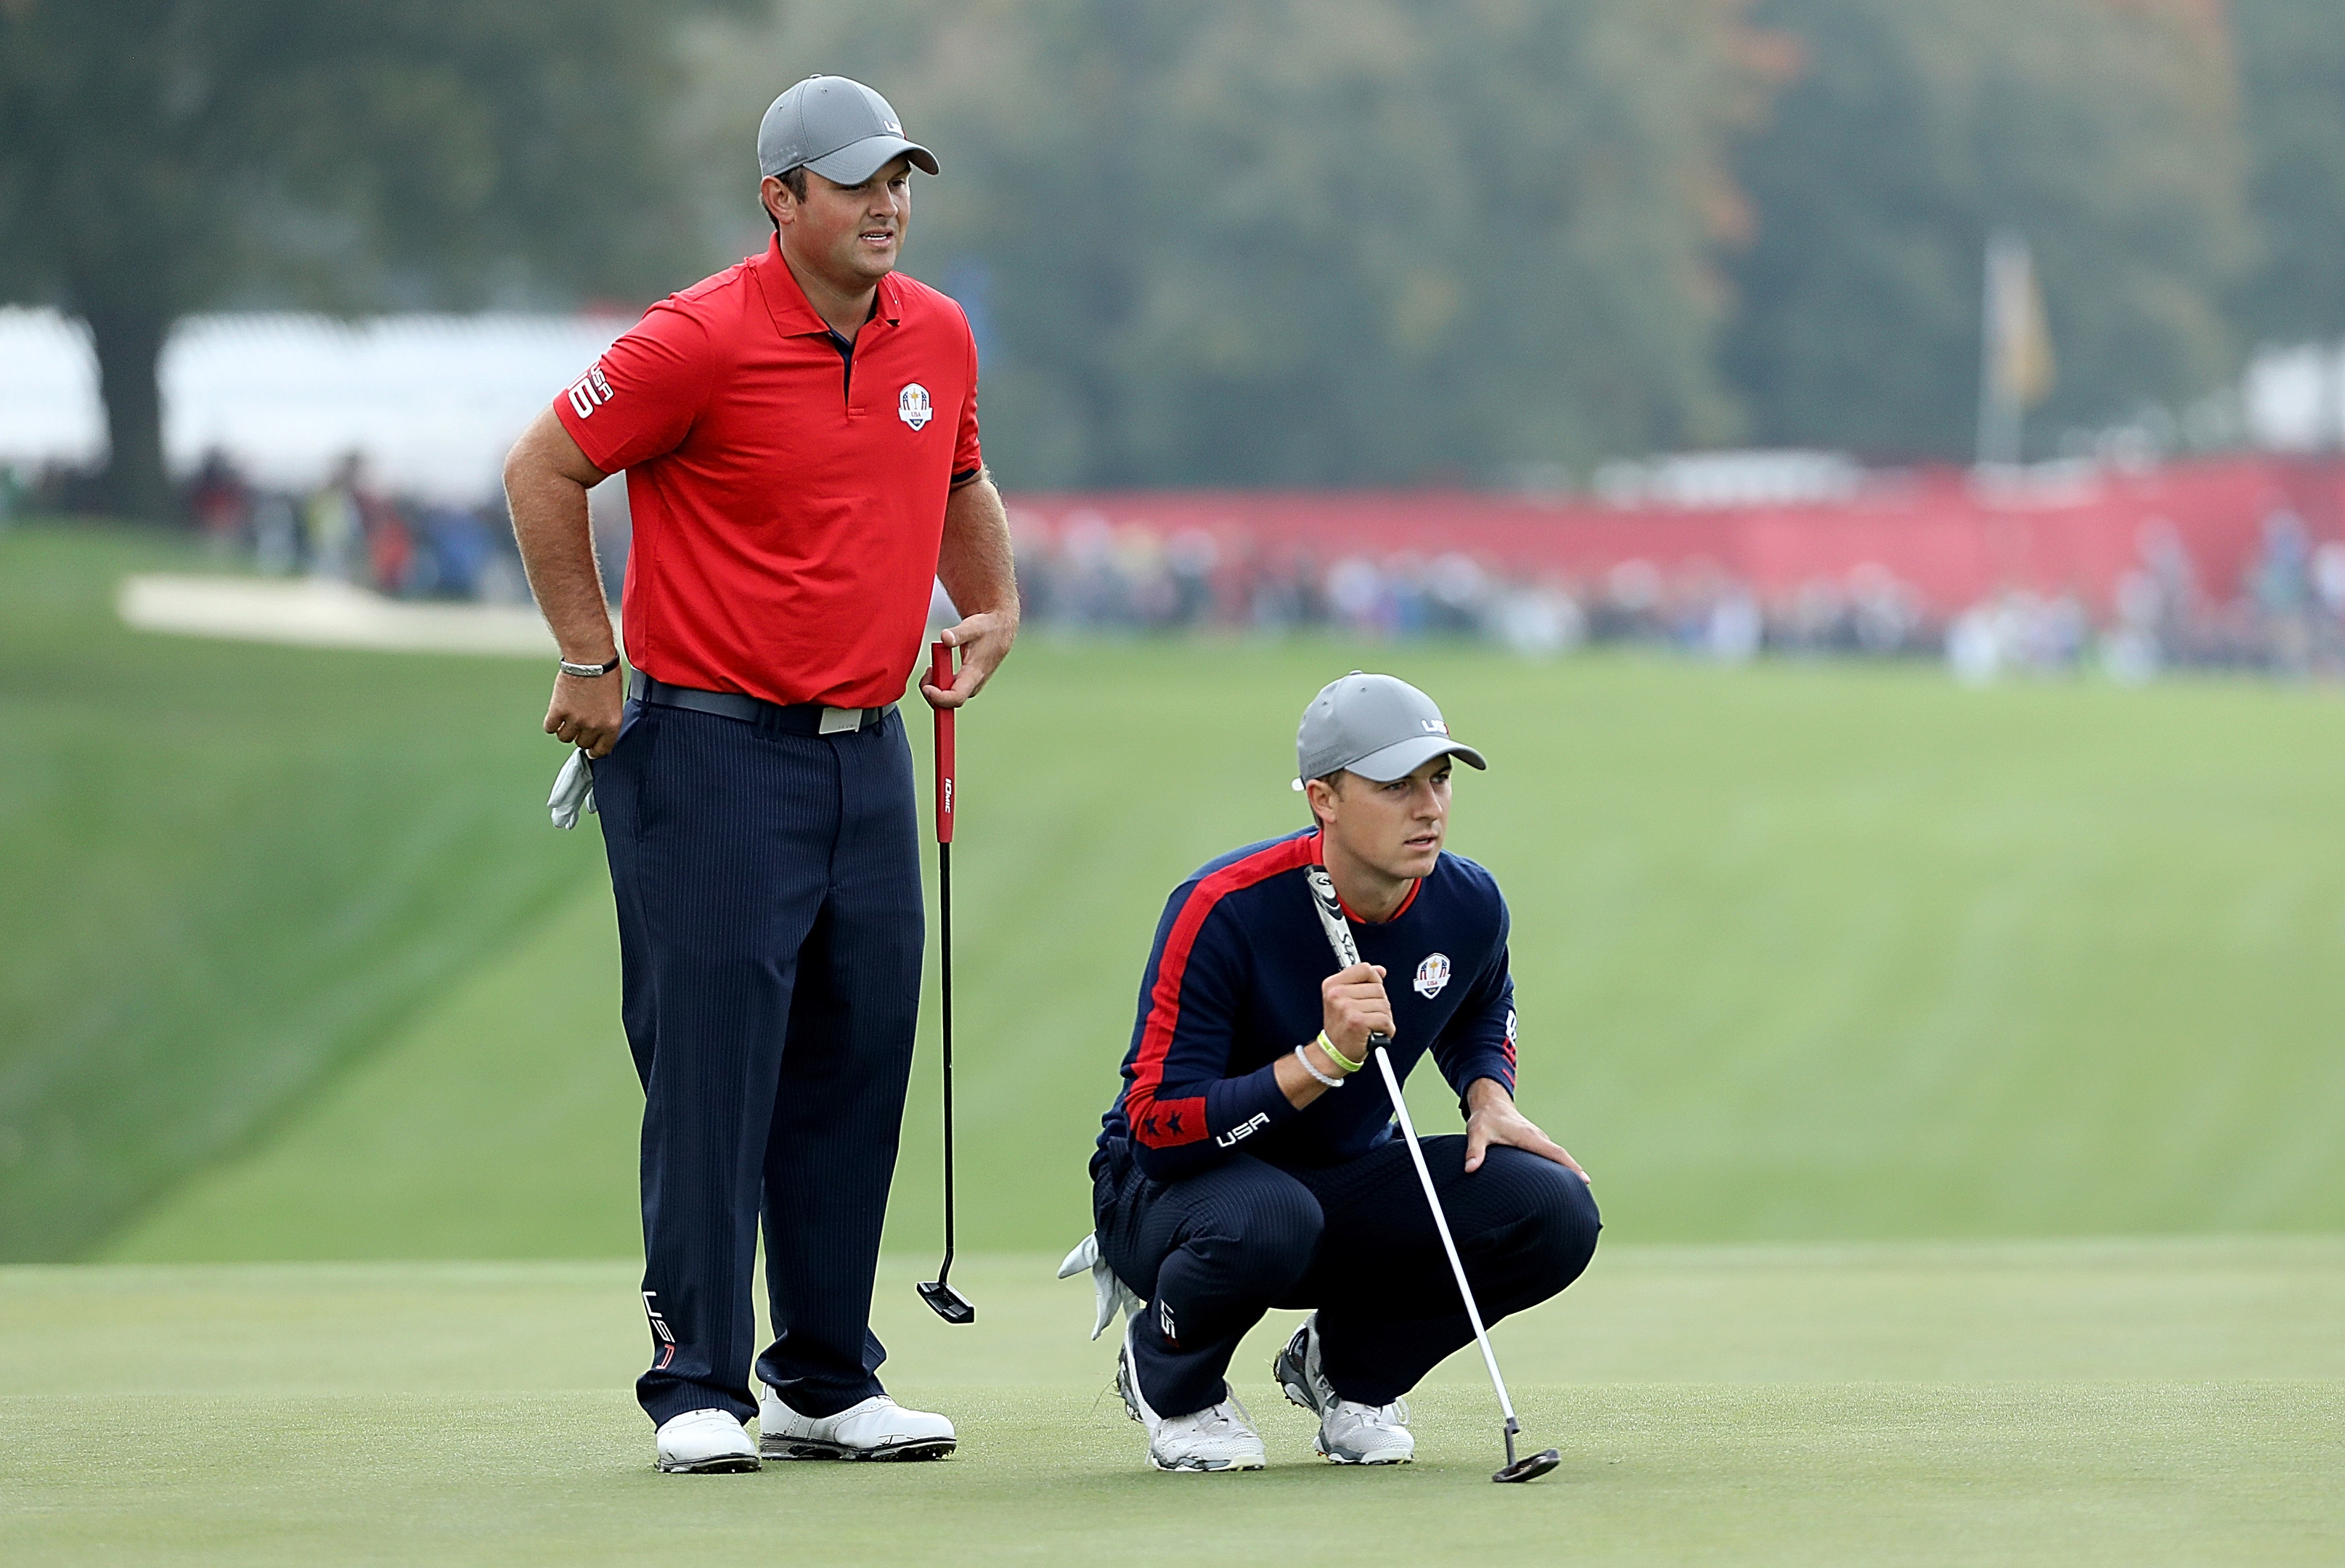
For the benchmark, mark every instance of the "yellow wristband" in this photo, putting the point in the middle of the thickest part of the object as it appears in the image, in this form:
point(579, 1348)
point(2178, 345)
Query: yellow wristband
point(1344, 1064)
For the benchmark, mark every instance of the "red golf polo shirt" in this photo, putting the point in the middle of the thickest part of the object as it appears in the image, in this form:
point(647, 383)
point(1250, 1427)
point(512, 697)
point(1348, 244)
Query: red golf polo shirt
point(788, 499)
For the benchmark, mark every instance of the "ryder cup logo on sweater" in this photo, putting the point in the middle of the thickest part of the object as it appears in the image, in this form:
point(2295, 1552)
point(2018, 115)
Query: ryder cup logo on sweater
point(1432, 975)
point(912, 405)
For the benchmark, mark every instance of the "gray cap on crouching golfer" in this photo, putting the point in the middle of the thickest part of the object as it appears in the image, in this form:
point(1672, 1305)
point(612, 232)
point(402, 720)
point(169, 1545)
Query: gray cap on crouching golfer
point(839, 128)
point(1377, 727)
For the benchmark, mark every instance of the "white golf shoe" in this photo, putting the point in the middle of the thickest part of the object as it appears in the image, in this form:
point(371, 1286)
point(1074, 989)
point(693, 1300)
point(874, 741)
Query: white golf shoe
point(879, 1428)
point(1219, 1437)
point(1349, 1431)
point(705, 1442)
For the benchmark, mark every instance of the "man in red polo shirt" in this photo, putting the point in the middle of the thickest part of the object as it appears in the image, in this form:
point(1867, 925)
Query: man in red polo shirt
point(799, 434)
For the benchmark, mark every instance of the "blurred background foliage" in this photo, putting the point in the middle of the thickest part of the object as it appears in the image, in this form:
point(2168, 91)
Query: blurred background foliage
point(2291, 57)
point(1310, 241)
point(1281, 241)
point(1428, 241)
point(2107, 133)
point(163, 156)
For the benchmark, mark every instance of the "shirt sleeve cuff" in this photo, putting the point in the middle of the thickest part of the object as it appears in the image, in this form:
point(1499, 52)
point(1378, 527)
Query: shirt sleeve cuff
point(594, 444)
point(1486, 1064)
point(1254, 1101)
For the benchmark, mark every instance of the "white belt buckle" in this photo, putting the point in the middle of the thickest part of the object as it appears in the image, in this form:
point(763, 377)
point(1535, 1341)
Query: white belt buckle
point(836, 720)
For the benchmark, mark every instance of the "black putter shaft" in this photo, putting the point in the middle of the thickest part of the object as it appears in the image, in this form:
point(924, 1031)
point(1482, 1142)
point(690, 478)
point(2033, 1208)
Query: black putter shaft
point(942, 1299)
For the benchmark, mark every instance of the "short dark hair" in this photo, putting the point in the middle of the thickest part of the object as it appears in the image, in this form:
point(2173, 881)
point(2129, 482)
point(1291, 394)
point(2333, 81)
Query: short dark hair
point(794, 181)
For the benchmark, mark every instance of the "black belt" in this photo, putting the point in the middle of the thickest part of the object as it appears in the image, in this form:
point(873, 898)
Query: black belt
point(791, 718)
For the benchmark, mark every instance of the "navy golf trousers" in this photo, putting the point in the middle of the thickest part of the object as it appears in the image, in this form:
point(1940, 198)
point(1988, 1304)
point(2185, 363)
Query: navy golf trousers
point(768, 889)
point(1211, 1253)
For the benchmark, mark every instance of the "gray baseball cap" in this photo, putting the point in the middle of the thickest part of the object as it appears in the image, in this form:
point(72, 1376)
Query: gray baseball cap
point(1378, 726)
point(839, 128)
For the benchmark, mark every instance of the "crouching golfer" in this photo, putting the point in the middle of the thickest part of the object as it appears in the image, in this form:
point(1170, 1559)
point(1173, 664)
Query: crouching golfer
point(1248, 1163)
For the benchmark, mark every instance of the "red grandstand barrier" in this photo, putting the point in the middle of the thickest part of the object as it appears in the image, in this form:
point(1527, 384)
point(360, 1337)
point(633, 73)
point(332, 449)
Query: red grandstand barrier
point(1955, 539)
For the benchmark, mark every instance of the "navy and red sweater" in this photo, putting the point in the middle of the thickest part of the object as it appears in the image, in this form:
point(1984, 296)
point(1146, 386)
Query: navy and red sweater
point(1233, 986)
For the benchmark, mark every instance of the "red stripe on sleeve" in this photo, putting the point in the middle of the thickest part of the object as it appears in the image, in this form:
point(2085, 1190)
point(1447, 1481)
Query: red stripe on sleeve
point(1165, 1123)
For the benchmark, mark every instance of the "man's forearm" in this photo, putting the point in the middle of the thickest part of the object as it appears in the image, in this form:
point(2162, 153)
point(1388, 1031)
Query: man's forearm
point(1484, 1092)
point(974, 560)
point(545, 489)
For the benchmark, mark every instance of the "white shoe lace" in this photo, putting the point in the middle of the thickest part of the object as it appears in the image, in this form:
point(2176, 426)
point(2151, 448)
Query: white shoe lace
point(1226, 1419)
point(1394, 1414)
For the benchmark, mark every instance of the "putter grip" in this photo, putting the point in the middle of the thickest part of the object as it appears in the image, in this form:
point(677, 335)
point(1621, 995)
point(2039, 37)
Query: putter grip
point(941, 675)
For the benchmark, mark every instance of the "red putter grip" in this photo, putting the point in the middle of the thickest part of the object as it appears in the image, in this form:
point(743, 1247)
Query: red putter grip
point(940, 675)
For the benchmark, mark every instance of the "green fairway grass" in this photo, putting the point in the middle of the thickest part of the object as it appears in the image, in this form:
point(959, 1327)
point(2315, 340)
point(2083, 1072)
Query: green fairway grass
point(1801, 951)
point(1834, 975)
point(2114, 1402)
point(230, 869)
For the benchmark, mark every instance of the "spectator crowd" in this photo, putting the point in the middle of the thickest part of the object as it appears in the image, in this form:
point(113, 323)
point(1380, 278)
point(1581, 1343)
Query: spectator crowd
point(1094, 575)
point(2285, 616)
point(346, 529)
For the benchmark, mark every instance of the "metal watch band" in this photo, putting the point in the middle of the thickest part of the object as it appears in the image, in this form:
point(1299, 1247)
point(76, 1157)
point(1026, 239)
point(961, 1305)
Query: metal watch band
point(588, 672)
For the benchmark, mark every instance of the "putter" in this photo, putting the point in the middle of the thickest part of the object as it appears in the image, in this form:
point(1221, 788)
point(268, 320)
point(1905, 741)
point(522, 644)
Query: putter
point(942, 1299)
point(1347, 953)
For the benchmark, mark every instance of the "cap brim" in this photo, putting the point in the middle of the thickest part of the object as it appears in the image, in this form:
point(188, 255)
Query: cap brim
point(1405, 757)
point(858, 161)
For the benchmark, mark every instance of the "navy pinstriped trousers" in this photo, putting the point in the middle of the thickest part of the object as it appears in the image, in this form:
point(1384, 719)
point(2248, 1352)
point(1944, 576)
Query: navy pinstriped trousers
point(768, 889)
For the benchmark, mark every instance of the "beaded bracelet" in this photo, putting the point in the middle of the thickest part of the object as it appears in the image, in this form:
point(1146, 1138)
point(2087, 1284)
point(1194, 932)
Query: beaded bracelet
point(1315, 1072)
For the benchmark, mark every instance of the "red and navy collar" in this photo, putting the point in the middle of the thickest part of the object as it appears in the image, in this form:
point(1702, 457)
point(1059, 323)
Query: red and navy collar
point(1319, 858)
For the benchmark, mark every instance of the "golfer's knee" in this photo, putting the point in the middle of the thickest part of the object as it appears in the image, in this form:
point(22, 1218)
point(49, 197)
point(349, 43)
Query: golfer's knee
point(1557, 1221)
point(1270, 1244)
point(1569, 1225)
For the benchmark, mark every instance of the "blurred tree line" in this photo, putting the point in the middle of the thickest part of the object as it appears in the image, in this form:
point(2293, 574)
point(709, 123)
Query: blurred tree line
point(2105, 132)
point(1259, 241)
point(163, 156)
point(1311, 241)
point(1361, 241)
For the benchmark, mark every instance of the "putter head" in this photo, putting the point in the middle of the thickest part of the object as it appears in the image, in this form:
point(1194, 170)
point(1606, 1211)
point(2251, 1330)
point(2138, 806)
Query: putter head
point(1530, 1467)
point(947, 1302)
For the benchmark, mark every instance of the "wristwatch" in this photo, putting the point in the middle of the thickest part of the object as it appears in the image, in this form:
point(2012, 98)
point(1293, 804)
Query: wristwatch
point(588, 672)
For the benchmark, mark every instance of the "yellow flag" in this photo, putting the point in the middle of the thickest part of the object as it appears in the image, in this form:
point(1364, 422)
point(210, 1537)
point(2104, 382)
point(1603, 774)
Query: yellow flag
point(2019, 343)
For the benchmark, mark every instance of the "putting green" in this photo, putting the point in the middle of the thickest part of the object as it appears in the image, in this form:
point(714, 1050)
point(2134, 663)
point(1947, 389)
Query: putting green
point(2122, 1402)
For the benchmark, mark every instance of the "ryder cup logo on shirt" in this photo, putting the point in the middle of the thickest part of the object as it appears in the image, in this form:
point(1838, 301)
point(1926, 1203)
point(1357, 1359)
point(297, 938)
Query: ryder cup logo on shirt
point(912, 405)
point(1432, 975)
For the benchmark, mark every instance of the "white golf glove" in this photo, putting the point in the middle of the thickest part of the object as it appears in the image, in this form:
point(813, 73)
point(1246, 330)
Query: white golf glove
point(573, 792)
point(1110, 1291)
